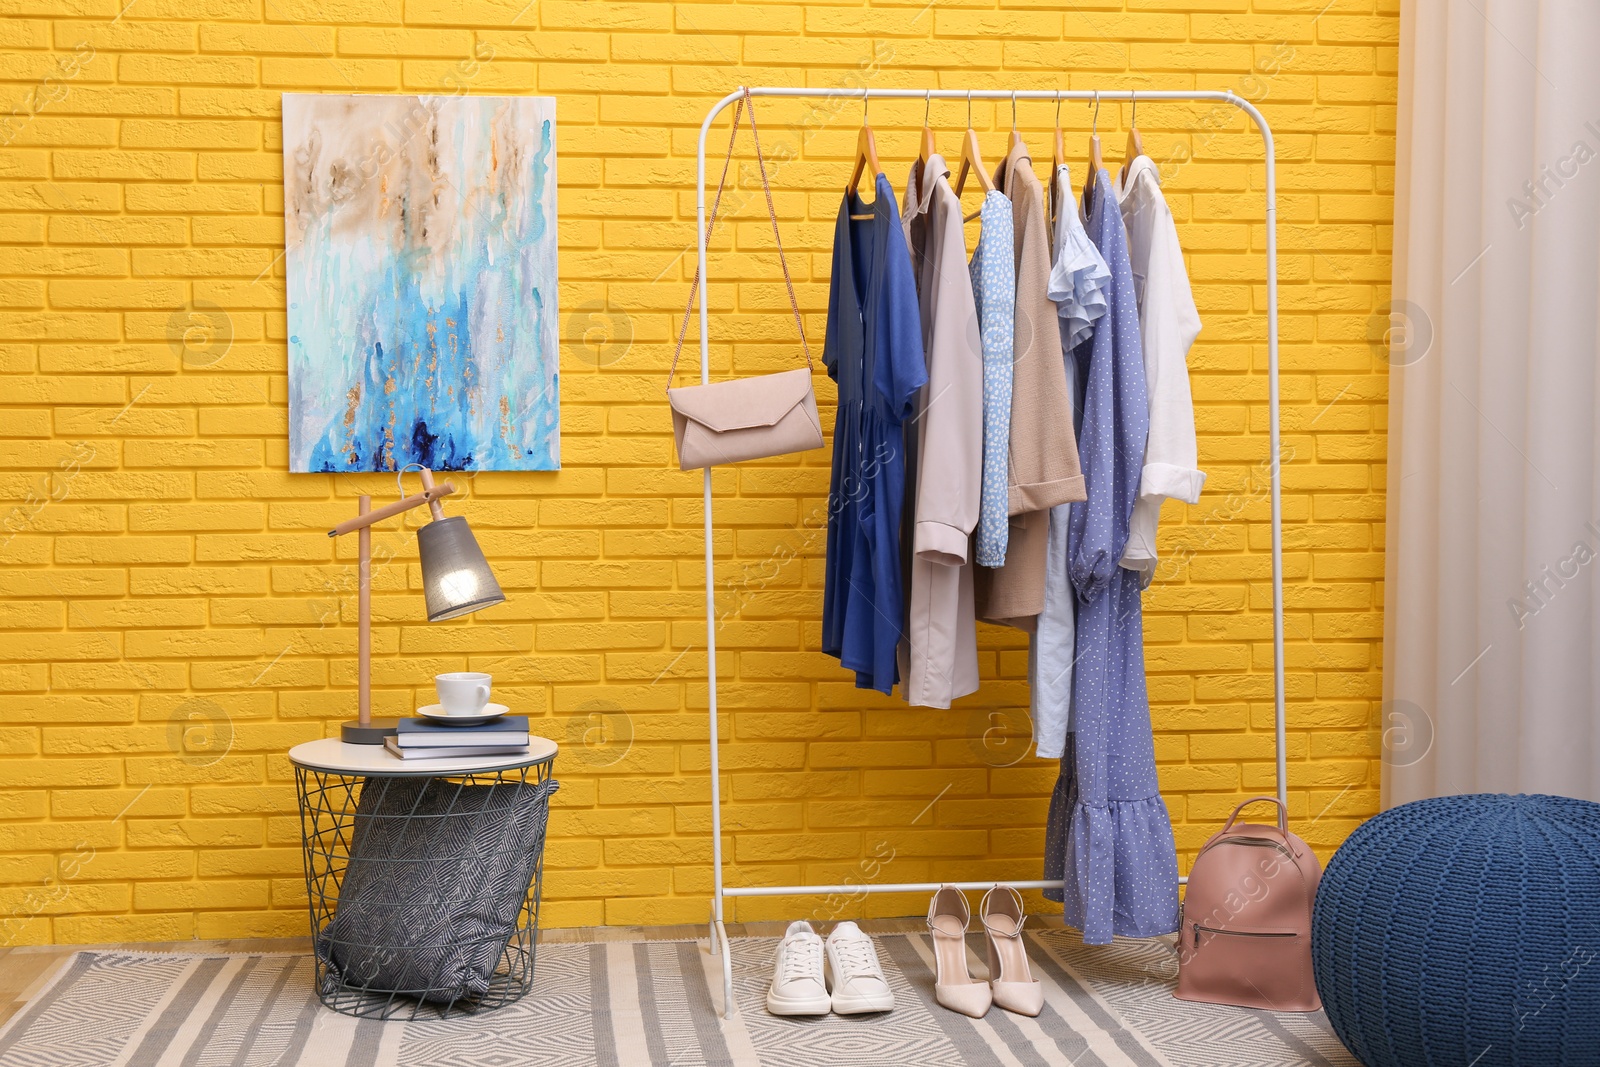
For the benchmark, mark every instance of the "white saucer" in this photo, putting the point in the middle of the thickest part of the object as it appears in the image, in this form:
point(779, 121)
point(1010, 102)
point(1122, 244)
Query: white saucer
point(437, 713)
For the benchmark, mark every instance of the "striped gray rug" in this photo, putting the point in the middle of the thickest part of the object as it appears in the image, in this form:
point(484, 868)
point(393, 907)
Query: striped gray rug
point(627, 1004)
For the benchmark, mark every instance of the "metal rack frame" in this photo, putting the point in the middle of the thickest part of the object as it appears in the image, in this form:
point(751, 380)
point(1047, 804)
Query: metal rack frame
point(719, 933)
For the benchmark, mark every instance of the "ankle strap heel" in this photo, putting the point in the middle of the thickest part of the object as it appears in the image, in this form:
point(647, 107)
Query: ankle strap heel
point(1011, 981)
point(953, 984)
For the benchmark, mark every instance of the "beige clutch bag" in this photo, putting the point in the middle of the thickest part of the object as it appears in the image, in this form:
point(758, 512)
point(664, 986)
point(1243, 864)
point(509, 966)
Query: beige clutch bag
point(746, 418)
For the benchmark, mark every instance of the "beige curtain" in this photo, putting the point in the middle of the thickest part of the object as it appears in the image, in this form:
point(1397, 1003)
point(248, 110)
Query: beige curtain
point(1492, 627)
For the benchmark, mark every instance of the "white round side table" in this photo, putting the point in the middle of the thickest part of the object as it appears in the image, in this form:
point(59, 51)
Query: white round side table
point(412, 875)
point(334, 756)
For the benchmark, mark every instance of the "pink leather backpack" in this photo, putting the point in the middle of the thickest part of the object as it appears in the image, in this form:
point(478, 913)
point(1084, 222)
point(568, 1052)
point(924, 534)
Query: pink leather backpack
point(1246, 932)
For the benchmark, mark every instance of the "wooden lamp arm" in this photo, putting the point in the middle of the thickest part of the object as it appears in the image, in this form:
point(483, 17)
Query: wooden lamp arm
point(430, 495)
point(427, 491)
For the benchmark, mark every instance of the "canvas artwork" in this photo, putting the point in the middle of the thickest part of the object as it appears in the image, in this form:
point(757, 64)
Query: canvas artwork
point(421, 245)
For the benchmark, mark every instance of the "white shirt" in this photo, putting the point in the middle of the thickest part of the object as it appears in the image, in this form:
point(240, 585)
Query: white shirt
point(1168, 325)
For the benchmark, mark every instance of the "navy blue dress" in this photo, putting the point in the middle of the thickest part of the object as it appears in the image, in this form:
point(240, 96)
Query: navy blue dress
point(1109, 836)
point(873, 351)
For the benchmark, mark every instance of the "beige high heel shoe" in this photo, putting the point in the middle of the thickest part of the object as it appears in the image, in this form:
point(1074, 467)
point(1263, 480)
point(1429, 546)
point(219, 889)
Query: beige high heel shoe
point(1011, 981)
point(953, 985)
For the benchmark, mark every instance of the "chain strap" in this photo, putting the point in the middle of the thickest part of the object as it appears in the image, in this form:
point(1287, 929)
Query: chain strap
point(745, 103)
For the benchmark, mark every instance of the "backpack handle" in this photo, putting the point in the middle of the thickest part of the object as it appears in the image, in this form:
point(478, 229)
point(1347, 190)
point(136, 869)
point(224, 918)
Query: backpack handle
point(1283, 812)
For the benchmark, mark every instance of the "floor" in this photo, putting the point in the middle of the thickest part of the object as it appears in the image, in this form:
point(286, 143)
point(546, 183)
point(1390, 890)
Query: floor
point(22, 969)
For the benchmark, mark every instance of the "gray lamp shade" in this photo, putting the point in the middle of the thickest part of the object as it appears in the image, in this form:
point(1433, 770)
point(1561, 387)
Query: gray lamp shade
point(455, 577)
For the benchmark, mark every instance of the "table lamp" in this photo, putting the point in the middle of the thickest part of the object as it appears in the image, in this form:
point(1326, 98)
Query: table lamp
point(456, 580)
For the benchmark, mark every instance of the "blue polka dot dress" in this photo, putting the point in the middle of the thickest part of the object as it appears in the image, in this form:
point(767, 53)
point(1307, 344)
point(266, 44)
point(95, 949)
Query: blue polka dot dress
point(1109, 837)
point(994, 290)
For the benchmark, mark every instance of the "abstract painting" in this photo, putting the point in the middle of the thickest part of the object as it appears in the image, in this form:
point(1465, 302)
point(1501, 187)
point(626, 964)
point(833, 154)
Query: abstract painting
point(421, 246)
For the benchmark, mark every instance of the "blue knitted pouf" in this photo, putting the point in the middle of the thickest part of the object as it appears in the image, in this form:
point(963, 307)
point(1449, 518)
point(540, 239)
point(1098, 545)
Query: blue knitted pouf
point(1465, 930)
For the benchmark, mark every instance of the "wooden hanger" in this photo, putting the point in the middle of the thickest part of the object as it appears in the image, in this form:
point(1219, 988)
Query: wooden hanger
point(1095, 162)
point(1016, 138)
point(866, 156)
point(1058, 150)
point(1058, 156)
point(928, 150)
point(971, 158)
point(1135, 144)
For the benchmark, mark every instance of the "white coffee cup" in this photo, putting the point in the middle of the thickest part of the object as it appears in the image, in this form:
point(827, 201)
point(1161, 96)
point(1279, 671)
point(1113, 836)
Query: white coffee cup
point(463, 692)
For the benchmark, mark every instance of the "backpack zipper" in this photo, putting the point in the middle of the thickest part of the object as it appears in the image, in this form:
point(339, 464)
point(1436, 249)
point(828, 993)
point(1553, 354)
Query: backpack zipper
point(1255, 842)
point(1245, 933)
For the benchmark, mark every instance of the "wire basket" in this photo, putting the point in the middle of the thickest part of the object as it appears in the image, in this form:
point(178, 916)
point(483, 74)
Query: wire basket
point(424, 891)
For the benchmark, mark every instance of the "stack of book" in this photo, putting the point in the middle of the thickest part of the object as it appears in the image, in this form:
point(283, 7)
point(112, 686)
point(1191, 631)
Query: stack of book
point(428, 739)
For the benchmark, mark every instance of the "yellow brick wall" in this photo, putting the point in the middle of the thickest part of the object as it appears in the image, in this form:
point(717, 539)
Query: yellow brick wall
point(174, 616)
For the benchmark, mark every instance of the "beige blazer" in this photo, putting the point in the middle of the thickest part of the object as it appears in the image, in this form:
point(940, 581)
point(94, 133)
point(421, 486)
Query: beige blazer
point(1044, 468)
point(939, 654)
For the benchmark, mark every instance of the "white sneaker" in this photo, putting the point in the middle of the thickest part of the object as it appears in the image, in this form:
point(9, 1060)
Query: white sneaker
point(858, 981)
point(798, 986)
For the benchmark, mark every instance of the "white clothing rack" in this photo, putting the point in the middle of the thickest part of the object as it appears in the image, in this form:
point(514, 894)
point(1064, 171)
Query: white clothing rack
point(719, 933)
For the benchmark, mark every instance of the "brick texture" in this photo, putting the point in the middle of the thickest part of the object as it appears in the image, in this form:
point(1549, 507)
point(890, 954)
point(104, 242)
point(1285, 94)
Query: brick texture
point(175, 618)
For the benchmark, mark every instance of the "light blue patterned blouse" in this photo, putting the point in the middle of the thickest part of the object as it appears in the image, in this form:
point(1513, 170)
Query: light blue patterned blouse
point(994, 289)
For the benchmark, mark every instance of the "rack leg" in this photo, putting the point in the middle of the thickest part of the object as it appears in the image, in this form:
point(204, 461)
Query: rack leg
point(728, 1006)
point(712, 925)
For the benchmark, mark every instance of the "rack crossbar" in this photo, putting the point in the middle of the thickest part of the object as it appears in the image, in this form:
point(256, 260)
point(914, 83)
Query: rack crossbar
point(883, 887)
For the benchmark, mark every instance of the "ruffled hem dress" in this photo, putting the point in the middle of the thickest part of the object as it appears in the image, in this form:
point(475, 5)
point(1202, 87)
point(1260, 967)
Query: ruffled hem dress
point(1109, 835)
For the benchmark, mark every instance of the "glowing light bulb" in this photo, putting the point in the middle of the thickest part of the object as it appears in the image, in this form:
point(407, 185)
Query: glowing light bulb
point(460, 586)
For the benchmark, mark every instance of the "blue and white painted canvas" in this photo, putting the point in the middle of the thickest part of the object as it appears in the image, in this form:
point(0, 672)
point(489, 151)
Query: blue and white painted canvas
point(421, 245)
